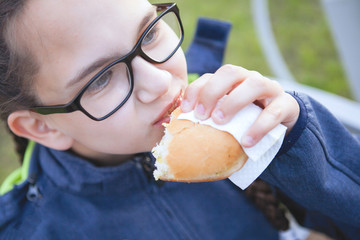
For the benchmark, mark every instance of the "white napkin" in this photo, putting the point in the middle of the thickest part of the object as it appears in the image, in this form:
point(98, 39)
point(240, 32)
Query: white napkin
point(260, 155)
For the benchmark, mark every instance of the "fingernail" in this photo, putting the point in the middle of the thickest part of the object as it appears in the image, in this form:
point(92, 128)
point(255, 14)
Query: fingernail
point(200, 110)
point(185, 106)
point(219, 115)
point(248, 141)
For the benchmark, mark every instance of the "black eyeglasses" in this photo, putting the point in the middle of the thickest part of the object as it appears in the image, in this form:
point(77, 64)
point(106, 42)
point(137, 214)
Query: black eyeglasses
point(111, 87)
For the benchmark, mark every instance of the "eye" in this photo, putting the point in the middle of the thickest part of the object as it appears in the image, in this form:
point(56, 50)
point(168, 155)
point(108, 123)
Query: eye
point(100, 83)
point(151, 36)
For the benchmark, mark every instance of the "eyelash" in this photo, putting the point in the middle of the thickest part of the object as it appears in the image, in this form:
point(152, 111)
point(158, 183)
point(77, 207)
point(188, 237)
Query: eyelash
point(93, 88)
point(154, 31)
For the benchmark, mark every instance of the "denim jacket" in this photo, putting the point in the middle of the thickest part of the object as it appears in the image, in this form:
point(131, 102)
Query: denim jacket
point(66, 197)
point(316, 173)
point(318, 168)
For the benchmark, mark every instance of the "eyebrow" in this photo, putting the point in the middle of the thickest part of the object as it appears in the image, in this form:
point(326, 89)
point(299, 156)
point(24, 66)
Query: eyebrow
point(103, 60)
point(148, 17)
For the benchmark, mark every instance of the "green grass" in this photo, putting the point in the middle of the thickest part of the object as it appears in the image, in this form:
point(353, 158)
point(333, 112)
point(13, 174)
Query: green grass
point(243, 48)
point(8, 160)
point(301, 31)
point(307, 45)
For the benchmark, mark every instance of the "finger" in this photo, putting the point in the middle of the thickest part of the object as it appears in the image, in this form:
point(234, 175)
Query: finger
point(221, 83)
point(255, 88)
point(280, 110)
point(192, 91)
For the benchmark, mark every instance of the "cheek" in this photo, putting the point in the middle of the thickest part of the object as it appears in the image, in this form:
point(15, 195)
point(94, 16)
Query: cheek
point(183, 65)
point(77, 125)
point(177, 65)
point(121, 133)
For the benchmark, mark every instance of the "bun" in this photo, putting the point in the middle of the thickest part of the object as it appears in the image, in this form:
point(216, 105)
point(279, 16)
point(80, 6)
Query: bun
point(193, 152)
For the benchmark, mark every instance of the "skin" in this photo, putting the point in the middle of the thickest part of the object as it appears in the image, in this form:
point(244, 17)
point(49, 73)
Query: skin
point(66, 36)
point(241, 87)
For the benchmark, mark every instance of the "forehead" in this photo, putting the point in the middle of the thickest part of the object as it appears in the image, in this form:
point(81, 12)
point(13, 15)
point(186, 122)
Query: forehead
point(67, 35)
point(54, 19)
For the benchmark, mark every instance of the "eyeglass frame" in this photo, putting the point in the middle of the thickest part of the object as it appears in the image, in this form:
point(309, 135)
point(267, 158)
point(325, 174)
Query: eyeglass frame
point(75, 105)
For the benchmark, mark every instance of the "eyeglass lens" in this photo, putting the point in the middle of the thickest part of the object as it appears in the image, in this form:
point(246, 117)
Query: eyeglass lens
point(163, 38)
point(111, 88)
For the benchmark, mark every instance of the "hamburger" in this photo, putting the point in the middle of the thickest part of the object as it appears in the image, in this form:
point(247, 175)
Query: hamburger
point(195, 152)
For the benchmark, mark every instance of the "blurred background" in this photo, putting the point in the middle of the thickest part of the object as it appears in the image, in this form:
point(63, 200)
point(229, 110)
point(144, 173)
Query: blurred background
point(301, 31)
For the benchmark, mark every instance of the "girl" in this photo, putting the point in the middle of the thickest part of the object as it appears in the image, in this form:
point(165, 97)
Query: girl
point(91, 82)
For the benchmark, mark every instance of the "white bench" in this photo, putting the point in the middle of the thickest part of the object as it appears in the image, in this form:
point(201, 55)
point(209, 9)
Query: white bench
point(344, 20)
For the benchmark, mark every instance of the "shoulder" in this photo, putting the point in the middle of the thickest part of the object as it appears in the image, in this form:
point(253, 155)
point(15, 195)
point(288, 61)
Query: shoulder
point(13, 209)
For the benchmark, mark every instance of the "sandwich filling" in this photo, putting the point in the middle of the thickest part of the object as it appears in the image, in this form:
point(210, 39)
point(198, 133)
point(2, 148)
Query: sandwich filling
point(160, 151)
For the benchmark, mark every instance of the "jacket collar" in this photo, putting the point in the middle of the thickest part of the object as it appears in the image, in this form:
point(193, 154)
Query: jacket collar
point(73, 173)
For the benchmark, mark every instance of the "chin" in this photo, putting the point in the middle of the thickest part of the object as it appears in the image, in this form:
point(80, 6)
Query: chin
point(153, 140)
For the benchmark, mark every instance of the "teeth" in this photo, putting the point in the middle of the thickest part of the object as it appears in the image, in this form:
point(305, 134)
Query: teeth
point(173, 106)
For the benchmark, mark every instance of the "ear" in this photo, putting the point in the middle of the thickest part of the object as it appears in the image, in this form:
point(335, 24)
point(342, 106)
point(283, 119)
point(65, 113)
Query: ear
point(34, 126)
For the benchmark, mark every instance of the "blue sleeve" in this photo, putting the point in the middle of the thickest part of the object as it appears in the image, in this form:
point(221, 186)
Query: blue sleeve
point(318, 167)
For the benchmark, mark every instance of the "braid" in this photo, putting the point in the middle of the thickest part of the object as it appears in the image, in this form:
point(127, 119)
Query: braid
point(262, 195)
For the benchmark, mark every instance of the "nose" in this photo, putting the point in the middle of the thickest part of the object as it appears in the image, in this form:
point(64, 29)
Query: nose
point(150, 80)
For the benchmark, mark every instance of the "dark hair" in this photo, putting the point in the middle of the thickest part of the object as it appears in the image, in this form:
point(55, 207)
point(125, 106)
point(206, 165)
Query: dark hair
point(17, 66)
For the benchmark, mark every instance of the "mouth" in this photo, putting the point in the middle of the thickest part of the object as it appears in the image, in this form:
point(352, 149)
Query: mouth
point(164, 116)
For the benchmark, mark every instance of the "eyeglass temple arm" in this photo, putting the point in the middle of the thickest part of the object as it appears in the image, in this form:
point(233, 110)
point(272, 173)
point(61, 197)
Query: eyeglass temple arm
point(55, 109)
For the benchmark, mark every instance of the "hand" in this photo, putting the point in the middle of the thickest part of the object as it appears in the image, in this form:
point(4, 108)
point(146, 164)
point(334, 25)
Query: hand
point(222, 94)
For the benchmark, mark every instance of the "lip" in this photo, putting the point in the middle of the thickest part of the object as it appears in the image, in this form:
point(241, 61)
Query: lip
point(164, 116)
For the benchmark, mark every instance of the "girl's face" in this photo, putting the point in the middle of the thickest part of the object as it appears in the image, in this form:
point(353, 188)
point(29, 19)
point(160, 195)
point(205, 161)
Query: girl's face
point(67, 37)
